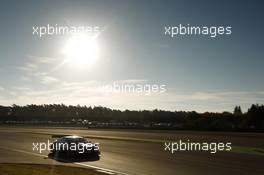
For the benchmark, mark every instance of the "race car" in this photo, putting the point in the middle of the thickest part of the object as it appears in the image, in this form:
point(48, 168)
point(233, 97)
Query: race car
point(74, 146)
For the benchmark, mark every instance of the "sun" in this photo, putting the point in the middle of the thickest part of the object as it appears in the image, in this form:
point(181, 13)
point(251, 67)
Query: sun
point(81, 50)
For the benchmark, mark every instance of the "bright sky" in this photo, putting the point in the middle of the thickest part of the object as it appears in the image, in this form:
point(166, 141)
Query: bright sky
point(200, 73)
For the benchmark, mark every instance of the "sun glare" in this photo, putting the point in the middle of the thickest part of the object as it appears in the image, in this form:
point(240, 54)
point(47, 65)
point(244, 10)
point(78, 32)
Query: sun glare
point(81, 50)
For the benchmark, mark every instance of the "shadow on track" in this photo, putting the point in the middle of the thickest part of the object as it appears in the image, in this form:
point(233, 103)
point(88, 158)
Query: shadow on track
point(64, 158)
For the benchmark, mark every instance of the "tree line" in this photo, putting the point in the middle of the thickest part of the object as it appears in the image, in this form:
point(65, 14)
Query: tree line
point(251, 120)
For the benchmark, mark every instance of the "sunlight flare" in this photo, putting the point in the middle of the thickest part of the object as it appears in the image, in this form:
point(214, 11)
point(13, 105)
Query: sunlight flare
point(81, 50)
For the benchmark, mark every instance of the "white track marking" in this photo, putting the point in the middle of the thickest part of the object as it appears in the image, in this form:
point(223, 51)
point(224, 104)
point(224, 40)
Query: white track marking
point(107, 172)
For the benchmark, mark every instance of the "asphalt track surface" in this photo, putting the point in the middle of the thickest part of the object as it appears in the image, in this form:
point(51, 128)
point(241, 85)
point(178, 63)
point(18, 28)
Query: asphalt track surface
point(139, 152)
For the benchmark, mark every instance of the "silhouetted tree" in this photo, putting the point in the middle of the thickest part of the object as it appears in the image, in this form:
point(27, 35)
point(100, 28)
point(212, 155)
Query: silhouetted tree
point(237, 111)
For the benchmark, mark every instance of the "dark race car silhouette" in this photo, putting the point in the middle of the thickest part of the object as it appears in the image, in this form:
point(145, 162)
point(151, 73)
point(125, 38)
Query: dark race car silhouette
point(74, 146)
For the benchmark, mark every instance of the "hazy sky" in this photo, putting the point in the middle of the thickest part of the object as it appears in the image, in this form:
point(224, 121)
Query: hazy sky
point(200, 73)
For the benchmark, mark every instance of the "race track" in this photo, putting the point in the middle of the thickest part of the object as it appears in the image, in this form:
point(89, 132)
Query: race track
point(139, 152)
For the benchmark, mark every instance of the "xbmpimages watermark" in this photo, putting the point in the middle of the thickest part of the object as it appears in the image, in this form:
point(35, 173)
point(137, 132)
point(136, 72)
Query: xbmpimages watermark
point(212, 147)
point(188, 30)
point(63, 146)
point(49, 29)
